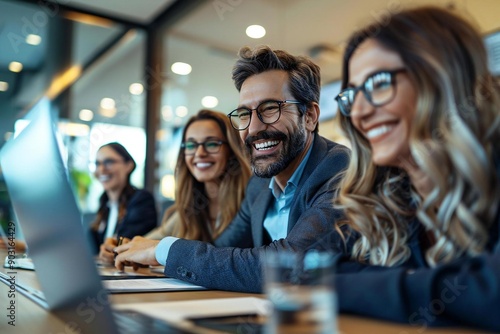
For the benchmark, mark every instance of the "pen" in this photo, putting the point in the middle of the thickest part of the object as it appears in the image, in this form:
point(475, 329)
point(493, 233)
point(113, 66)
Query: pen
point(120, 241)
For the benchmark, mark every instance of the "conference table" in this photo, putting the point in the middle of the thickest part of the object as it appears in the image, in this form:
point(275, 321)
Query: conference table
point(32, 318)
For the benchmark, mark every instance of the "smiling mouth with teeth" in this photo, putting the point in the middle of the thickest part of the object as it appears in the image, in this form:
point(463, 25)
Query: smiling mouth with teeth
point(266, 145)
point(203, 164)
point(379, 130)
point(104, 178)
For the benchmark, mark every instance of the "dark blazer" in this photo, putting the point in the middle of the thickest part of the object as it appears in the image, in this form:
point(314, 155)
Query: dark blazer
point(140, 218)
point(465, 292)
point(238, 268)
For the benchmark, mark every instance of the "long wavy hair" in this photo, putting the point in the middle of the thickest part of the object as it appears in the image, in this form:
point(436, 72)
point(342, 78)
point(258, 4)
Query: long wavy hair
point(191, 200)
point(127, 192)
point(454, 140)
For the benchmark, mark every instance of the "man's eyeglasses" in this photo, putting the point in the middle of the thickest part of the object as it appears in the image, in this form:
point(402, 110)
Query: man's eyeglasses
point(106, 163)
point(210, 146)
point(268, 112)
point(379, 89)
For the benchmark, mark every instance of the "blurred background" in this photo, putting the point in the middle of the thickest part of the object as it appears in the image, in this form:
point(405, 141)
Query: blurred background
point(135, 71)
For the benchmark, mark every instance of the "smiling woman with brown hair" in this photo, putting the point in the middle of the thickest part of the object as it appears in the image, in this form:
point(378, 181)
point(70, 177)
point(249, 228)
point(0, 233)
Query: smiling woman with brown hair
point(211, 175)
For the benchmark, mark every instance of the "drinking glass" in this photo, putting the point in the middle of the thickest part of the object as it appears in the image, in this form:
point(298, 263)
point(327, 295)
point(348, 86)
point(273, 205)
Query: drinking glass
point(301, 289)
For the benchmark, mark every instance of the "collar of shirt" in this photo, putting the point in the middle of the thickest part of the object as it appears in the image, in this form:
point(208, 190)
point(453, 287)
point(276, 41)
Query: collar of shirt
point(276, 221)
point(112, 220)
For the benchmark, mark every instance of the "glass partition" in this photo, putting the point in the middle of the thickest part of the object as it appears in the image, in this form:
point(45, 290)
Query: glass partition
point(90, 68)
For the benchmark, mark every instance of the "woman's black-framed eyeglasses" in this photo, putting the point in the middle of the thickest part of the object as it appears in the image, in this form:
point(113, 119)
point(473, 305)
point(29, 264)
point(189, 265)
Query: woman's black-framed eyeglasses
point(379, 89)
point(268, 112)
point(210, 146)
point(107, 163)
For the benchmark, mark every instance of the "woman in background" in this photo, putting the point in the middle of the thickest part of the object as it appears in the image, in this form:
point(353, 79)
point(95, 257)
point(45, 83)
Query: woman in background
point(211, 174)
point(124, 211)
point(422, 191)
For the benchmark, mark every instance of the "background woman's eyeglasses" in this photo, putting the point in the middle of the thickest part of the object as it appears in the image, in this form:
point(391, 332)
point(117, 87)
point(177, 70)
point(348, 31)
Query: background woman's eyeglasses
point(210, 146)
point(268, 112)
point(379, 89)
point(106, 163)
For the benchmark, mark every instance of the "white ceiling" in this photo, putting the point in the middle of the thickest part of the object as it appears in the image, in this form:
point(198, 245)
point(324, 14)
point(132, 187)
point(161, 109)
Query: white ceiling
point(300, 25)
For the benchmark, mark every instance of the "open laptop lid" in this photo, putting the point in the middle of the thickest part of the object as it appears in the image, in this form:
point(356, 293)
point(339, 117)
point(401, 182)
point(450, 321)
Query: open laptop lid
point(37, 181)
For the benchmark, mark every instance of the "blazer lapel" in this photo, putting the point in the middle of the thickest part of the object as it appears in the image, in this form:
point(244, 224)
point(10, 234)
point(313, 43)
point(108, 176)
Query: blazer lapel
point(261, 205)
point(319, 148)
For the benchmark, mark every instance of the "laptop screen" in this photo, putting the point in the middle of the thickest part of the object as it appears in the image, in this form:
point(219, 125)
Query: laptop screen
point(37, 182)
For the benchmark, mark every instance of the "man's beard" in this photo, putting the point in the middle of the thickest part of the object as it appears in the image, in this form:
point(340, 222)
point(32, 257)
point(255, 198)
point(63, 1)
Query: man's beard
point(291, 147)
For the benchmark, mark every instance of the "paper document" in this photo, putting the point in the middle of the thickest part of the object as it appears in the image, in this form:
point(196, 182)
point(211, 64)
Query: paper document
point(113, 273)
point(177, 311)
point(19, 263)
point(149, 284)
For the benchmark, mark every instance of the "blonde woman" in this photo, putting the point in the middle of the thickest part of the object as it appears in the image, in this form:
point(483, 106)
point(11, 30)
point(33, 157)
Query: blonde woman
point(422, 190)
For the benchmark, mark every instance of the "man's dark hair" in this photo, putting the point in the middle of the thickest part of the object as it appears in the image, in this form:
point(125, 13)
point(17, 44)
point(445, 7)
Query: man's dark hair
point(304, 75)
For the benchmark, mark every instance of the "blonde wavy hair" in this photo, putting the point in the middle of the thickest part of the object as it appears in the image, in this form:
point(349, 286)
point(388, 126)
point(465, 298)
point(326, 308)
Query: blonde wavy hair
point(191, 200)
point(454, 140)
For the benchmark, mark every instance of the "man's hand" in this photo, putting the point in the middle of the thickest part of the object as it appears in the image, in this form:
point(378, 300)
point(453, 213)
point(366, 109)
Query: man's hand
point(140, 251)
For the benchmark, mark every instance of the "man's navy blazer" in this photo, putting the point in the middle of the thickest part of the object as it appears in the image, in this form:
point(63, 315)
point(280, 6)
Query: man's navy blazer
point(233, 263)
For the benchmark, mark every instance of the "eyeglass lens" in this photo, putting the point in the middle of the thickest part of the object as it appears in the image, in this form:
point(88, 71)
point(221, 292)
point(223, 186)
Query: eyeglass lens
point(268, 112)
point(210, 146)
point(106, 163)
point(378, 89)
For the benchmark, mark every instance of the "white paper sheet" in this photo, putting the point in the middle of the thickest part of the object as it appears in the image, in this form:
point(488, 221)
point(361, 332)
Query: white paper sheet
point(178, 311)
point(149, 284)
point(113, 273)
point(19, 263)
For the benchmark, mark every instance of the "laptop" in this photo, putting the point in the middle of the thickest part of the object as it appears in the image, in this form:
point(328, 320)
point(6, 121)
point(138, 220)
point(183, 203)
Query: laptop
point(46, 209)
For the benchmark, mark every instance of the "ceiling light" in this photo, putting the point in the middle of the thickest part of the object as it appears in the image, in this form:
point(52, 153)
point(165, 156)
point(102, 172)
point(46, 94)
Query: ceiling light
point(108, 107)
point(86, 115)
point(256, 31)
point(4, 86)
point(181, 111)
point(136, 89)
point(74, 129)
point(63, 81)
point(209, 102)
point(33, 39)
point(107, 103)
point(88, 19)
point(181, 68)
point(15, 67)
